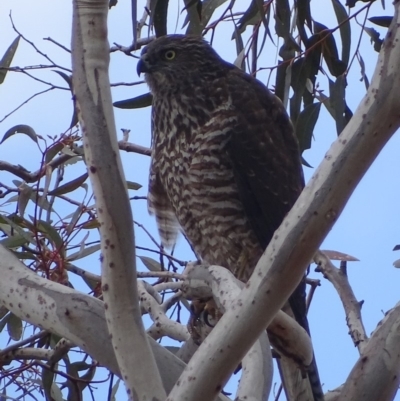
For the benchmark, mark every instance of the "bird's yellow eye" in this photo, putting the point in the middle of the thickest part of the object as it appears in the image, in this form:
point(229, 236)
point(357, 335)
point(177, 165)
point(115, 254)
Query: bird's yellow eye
point(169, 55)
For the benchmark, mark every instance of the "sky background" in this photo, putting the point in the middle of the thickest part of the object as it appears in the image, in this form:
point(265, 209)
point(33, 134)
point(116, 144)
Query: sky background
point(367, 229)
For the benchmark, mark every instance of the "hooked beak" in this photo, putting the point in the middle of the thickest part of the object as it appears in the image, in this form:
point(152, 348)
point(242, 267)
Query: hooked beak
point(142, 66)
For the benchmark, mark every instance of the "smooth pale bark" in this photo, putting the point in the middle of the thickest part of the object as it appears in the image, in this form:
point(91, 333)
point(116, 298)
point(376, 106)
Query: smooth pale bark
point(376, 375)
point(282, 266)
point(351, 306)
point(71, 314)
point(90, 60)
point(216, 282)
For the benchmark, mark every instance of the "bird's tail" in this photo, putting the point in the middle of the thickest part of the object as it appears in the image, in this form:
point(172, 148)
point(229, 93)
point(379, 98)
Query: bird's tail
point(297, 302)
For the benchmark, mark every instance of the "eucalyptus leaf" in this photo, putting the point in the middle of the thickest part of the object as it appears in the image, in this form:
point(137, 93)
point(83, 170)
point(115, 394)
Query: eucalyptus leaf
point(136, 102)
point(150, 263)
point(14, 327)
point(21, 129)
point(7, 58)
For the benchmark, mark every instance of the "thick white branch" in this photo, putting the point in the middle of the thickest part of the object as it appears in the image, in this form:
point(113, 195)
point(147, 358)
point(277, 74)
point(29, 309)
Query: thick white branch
point(71, 314)
point(282, 266)
point(286, 335)
point(376, 375)
point(257, 368)
point(90, 59)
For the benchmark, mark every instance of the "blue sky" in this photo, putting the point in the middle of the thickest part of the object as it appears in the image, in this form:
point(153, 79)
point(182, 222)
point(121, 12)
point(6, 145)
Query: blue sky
point(368, 228)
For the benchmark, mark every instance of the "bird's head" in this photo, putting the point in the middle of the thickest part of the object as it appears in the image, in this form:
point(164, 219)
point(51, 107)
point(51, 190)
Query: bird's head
point(170, 60)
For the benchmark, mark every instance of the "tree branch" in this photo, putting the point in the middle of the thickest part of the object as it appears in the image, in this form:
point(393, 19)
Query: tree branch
point(351, 306)
point(71, 314)
point(376, 376)
point(90, 59)
point(132, 147)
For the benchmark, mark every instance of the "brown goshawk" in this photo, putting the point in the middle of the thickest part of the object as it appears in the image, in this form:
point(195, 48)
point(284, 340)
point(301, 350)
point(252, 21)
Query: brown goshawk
point(225, 165)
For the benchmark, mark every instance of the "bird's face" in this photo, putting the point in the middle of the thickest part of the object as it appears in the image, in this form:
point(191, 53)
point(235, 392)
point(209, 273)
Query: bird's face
point(171, 60)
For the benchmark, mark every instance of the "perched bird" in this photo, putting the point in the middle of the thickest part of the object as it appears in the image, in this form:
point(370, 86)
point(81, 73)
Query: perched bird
point(225, 166)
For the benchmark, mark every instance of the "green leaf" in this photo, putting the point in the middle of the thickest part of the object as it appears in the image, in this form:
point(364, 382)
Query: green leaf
point(87, 377)
point(305, 162)
point(74, 219)
point(337, 96)
point(345, 29)
point(92, 284)
point(23, 198)
point(80, 365)
point(150, 263)
point(69, 186)
point(364, 76)
point(136, 102)
point(14, 327)
point(286, 89)
point(158, 16)
point(384, 21)
point(17, 183)
point(56, 394)
point(303, 17)
point(24, 255)
point(21, 129)
point(375, 38)
point(82, 253)
point(305, 125)
point(7, 58)
point(26, 234)
point(329, 50)
point(52, 234)
point(133, 185)
point(65, 77)
point(42, 202)
point(209, 6)
point(4, 321)
point(14, 241)
point(52, 151)
point(282, 18)
point(280, 80)
point(240, 51)
point(250, 17)
point(91, 224)
point(302, 69)
point(114, 390)
point(47, 381)
point(193, 9)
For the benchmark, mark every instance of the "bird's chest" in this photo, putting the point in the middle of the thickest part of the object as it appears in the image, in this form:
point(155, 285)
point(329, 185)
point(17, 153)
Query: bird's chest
point(191, 157)
point(190, 147)
point(193, 170)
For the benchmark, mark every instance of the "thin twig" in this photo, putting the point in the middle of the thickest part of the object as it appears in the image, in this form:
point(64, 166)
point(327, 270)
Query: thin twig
point(160, 252)
point(58, 44)
point(25, 102)
point(35, 47)
point(134, 46)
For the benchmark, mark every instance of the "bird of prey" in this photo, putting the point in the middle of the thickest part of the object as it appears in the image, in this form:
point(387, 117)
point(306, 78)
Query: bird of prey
point(225, 166)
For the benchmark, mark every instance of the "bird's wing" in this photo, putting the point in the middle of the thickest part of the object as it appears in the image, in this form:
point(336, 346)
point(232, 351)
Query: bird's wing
point(159, 205)
point(264, 154)
point(267, 167)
